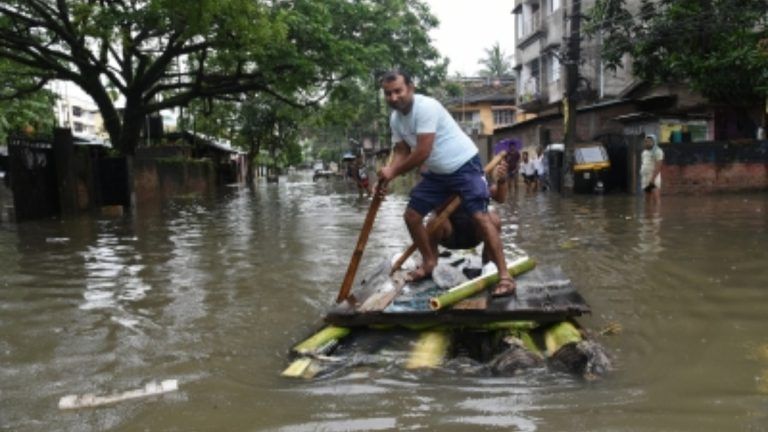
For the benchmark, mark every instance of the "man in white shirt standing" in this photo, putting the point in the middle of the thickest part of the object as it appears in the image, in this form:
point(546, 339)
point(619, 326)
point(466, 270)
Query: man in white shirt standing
point(528, 170)
point(423, 132)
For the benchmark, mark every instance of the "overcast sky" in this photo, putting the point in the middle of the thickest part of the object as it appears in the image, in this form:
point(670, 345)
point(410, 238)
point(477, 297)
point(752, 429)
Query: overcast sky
point(468, 27)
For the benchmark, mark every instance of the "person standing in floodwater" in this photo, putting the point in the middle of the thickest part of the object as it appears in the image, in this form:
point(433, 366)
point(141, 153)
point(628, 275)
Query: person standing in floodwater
point(359, 174)
point(513, 170)
point(423, 132)
point(528, 169)
point(650, 171)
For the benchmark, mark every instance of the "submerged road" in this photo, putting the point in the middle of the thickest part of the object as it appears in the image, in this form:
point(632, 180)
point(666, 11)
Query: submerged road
point(213, 292)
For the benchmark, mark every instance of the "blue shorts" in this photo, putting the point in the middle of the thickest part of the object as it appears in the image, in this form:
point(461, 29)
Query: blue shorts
point(468, 182)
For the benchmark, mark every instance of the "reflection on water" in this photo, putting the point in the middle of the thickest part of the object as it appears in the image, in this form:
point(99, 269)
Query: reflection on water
point(214, 292)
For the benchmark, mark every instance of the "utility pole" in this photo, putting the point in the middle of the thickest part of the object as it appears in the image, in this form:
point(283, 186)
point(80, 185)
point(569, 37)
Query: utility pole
point(572, 57)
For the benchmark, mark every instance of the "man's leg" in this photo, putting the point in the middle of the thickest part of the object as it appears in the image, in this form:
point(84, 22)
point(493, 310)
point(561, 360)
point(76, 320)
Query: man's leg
point(414, 222)
point(496, 221)
point(492, 239)
point(438, 234)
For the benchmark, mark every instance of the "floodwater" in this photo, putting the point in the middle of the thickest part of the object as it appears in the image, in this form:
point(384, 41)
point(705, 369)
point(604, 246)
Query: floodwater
point(214, 291)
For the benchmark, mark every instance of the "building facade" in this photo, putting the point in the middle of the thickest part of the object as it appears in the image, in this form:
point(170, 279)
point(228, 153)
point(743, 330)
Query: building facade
point(482, 106)
point(540, 30)
point(76, 110)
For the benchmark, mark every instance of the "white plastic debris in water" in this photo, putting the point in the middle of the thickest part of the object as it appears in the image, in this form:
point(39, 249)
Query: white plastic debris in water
point(91, 400)
point(57, 240)
point(490, 268)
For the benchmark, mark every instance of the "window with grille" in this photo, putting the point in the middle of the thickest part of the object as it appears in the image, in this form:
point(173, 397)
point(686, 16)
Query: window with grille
point(503, 117)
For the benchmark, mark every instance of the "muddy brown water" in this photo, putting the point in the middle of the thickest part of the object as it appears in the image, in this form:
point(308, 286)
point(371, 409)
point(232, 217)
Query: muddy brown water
point(213, 292)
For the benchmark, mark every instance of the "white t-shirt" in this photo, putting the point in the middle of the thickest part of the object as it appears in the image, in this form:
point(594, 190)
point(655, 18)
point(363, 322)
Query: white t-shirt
point(538, 164)
point(648, 164)
point(452, 147)
point(528, 168)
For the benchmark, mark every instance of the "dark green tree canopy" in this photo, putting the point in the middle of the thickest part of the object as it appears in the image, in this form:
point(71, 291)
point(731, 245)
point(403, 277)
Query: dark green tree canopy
point(159, 54)
point(22, 105)
point(718, 47)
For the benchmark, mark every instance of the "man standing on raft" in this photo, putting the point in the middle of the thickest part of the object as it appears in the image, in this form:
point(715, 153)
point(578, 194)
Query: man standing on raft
point(423, 132)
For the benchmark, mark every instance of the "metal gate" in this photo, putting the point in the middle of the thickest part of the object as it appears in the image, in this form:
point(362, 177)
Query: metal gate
point(32, 172)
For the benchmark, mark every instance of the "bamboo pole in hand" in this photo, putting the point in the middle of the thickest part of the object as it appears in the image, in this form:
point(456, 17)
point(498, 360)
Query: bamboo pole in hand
point(361, 241)
point(448, 207)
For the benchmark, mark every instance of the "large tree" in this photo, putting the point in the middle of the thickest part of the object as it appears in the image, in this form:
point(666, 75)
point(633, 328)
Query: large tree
point(717, 46)
point(30, 111)
point(267, 124)
point(496, 63)
point(160, 54)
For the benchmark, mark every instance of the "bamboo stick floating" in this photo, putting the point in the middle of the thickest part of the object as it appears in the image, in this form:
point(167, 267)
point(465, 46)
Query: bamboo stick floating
point(89, 400)
point(448, 207)
point(474, 286)
point(429, 351)
point(300, 368)
point(318, 343)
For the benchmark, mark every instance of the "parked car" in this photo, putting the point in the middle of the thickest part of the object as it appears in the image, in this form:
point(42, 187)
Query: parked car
point(320, 171)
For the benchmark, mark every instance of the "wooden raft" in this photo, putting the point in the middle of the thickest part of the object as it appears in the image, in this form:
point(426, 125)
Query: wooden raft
point(542, 296)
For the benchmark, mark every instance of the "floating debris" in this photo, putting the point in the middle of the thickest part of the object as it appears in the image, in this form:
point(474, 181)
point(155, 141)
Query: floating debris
point(89, 400)
point(57, 240)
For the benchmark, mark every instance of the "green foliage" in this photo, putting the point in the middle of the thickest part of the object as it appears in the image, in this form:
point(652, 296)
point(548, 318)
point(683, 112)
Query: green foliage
point(165, 53)
point(496, 64)
point(268, 125)
point(397, 36)
point(328, 154)
point(29, 109)
point(453, 89)
point(293, 154)
point(717, 46)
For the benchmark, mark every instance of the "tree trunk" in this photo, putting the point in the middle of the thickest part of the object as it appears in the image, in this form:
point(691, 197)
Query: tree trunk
point(129, 138)
point(253, 150)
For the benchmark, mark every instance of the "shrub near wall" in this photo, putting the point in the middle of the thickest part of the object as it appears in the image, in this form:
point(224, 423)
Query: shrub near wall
point(722, 166)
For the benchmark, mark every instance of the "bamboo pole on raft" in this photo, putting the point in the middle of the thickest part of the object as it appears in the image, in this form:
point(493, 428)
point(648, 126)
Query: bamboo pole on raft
point(469, 288)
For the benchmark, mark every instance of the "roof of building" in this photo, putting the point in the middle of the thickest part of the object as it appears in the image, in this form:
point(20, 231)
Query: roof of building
point(485, 93)
point(206, 140)
point(556, 114)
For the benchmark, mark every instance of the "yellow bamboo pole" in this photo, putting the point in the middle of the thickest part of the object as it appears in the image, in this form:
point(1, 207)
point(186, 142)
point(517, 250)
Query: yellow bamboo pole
point(429, 350)
point(315, 343)
point(560, 334)
point(300, 368)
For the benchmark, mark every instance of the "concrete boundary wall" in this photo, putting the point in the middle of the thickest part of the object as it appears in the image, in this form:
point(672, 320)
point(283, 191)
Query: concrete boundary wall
point(721, 166)
point(160, 179)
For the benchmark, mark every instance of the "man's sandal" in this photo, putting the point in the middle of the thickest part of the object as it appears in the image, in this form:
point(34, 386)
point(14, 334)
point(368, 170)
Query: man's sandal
point(504, 287)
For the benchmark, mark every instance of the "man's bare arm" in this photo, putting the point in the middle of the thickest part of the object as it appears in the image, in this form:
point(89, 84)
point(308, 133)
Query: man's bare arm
point(424, 143)
point(498, 187)
point(414, 158)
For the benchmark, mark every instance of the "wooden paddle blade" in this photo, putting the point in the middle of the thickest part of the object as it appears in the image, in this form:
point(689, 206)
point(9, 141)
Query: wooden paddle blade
point(361, 241)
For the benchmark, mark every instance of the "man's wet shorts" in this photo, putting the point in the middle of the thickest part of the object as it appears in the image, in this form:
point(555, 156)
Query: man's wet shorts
point(468, 182)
